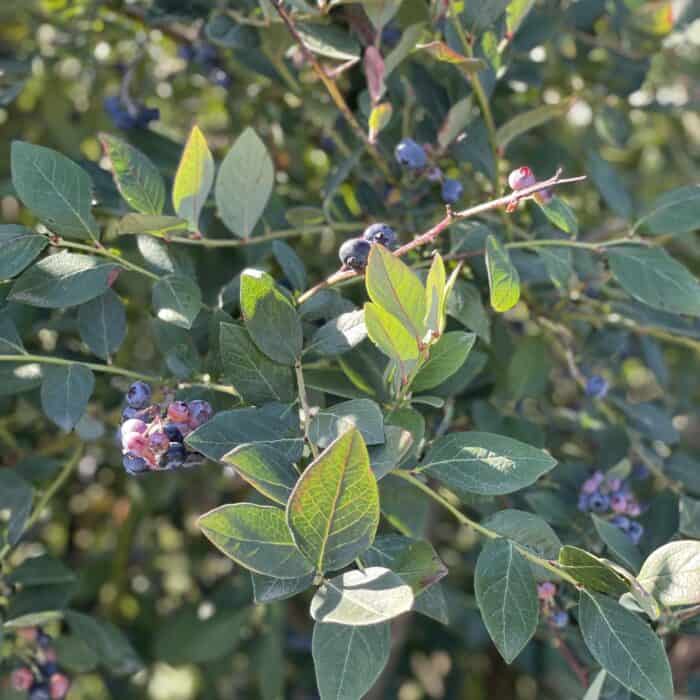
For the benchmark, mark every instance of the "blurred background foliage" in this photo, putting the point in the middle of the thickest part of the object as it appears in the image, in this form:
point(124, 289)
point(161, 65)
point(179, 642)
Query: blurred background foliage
point(623, 78)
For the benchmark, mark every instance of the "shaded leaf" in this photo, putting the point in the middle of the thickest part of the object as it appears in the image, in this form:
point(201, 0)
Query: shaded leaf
point(504, 280)
point(102, 324)
point(65, 392)
point(177, 300)
point(20, 246)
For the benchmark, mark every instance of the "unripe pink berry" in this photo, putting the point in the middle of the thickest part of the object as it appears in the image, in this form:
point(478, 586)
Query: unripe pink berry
point(178, 412)
point(22, 679)
point(520, 178)
point(546, 590)
point(633, 509)
point(133, 425)
point(58, 686)
point(158, 441)
point(135, 443)
point(618, 503)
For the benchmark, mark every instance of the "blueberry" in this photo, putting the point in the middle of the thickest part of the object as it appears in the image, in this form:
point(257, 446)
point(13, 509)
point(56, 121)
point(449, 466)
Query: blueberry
point(621, 522)
point(596, 387)
point(39, 691)
point(205, 53)
point(134, 465)
point(218, 76)
point(559, 619)
point(146, 115)
point(22, 679)
point(128, 413)
point(639, 471)
point(200, 412)
point(158, 441)
point(391, 35)
point(119, 113)
point(635, 531)
point(139, 394)
point(354, 253)
point(411, 154)
point(186, 52)
point(48, 669)
point(452, 191)
point(381, 233)
point(327, 144)
point(59, 685)
point(175, 456)
point(44, 640)
point(584, 502)
point(179, 412)
point(173, 432)
point(520, 178)
point(599, 503)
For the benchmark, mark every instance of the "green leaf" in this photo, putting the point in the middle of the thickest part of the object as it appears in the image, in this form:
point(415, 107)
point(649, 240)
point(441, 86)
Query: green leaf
point(516, 13)
point(522, 123)
point(224, 31)
point(158, 226)
point(380, 12)
point(391, 337)
point(560, 214)
point(339, 335)
point(255, 537)
point(387, 457)
point(291, 264)
point(20, 246)
point(618, 543)
point(625, 647)
point(137, 179)
point(674, 212)
point(267, 589)
point(16, 502)
point(591, 571)
point(464, 303)
point(265, 467)
point(672, 573)
point(406, 44)
point(256, 378)
point(405, 507)
point(394, 286)
point(363, 414)
point(443, 52)
point(529, 531)
point(689, 510)
point(446, 357)
point(102, 324)
point(415, 561)
point(479, 16)
point(653, 277)
point(529, 368)
point(504, 280)
point(435, 286)
point(61, 280)
point(328, 40)
point(348, 660)
point(10, 340)
point(459, 116)
point(610, 185)
point(359, 598)
point(244, 184)
point(485, 463)
point(177, 300)
point(559, 265)
point(55, 189)
point(113, 648)
point(228, 429)
point(194, 178)
point(19, 378)
point(65, 392)
point(507, 597)
point(40, 571)
point(270, 318)
point(333, 512)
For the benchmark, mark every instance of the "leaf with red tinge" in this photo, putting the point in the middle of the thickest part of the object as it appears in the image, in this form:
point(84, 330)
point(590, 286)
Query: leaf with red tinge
point(441, 51)
point(374, 71)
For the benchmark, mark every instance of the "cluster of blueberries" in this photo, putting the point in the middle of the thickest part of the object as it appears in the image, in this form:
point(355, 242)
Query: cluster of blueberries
point(555, 615)
point(46, 681)
point(129, 115)
point(606, 495)
point(412, 156)
point(152, 435)
point(207, 58)
point(355, 251)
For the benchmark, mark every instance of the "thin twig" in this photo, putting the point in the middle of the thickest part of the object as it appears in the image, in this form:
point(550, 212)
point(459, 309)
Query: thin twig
point(450, 218)
point(332, 89)
point(572, 662)
point(306, 410)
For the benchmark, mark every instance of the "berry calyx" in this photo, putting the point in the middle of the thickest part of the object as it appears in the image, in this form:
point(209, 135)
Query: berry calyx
point(354, 253)
point(382, 234)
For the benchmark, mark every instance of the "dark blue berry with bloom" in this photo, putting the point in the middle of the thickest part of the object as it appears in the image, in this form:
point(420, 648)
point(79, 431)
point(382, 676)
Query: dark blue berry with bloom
point(382, 234)
point(452, 191)
point(39, 691)
point(138, 395)
point(411, 154)
point(599, 503)
point(391, 35)
point(173, 433)
point(200, 413)
point(134, 465)
point(597, 387)
point(354, 253)
point(559, 619)
point(635, 531)
point(175, 456)
point(129, 116)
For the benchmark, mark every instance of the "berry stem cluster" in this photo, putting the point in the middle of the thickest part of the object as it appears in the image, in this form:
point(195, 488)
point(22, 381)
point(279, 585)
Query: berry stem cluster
point(450, 218)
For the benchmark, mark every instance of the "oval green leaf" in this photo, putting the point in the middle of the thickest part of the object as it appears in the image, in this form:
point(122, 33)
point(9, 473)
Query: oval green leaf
point(672, 573)
point(504, 280)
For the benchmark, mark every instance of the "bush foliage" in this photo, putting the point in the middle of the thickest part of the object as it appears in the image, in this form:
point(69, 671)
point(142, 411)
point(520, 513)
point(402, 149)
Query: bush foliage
point(461, 461)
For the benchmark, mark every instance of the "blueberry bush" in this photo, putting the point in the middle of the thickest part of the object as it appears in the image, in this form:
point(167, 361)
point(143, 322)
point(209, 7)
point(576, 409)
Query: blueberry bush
point(349, 349)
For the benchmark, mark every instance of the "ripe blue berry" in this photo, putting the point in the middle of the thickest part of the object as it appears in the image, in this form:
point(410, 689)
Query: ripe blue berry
point(452, 191)
point(48, 669)
point(175, 456)
point(559, 619)
point(39, 691)
point(134, 465)
point(200, 412)
point(411, 154)
point(599, 503)
point(43, 640)
point(597, 387)
point(173, 432)
point(584, 502)
point(139, 395)
point(382, 234)
point(129, 116)
point(635, 531)
point(158, 442)
point(128, 413)
point(621, 522)
point(354, 253)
